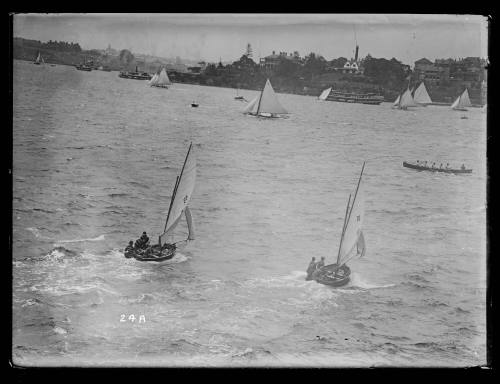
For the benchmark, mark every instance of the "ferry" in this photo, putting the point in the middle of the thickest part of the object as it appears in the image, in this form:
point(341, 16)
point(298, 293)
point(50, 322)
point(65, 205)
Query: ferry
point(136, 75)
point(83, 67)
point(353, 97)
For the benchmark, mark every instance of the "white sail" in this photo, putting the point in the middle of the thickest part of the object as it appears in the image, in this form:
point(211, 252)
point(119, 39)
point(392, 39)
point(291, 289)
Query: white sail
point(462, 101)
point(181, 195)
point(406, 100)
point(268, 102)
point(324, 94)
point(163, 78)
point(421, 96)
point(252, 105)
point(396, 102)
point(353, 239)
point(154, 79)
point(189, 220)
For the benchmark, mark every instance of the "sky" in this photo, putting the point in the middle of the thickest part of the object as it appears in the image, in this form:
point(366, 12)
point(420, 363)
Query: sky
point(214, 37)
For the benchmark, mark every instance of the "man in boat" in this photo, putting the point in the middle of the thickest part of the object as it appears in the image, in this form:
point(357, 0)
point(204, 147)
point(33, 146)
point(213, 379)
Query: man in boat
point(418, 162)
point(447, 165)
point(462, 167)
point(321, 263)
point(441, 166)
point(311, 268)
point(142, 242)
point(433, 165)
point(129, 248)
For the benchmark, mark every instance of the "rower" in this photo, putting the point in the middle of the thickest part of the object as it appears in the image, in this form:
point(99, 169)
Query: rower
point(129, 248)
point(447, 165)
point(441, 166)
point(463, 167)
point(433, 165)
point(311, 268)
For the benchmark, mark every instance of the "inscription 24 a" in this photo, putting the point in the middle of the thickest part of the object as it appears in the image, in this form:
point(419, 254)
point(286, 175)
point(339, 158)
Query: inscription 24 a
point(132, 318)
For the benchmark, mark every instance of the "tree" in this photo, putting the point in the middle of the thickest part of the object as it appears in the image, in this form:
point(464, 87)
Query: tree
point(126, 57)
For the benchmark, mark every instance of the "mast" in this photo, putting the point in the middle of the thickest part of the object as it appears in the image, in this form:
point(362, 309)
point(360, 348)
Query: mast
point(171, 201)
point(260, 98)
point(343, 229)
point(350, 211)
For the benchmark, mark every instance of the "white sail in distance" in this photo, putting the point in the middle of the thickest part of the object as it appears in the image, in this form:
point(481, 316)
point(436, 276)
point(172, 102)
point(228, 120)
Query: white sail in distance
point(154, 79)
point(163, 78)
point(396, 102)
point(421, 96)
point(252, 105)
point(406, 100)
point(181, 196)
point(268, 102)
point(352, 242)
point(462, 101)
point(325, 94)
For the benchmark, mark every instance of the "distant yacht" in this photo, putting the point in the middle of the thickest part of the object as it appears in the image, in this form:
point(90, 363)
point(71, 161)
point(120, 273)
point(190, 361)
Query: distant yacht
point(161, 80)
point(462, 102)
point(404, 100)
point(420, 96)
point(266, 104)
point(39, 59)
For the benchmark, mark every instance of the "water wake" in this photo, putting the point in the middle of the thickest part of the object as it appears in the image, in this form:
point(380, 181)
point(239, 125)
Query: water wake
point(98, 238)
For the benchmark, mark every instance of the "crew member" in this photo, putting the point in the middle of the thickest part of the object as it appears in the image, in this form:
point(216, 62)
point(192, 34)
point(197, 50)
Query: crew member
point(128, 249)
point(463, 167)
point(321, 263)
point(311, 268)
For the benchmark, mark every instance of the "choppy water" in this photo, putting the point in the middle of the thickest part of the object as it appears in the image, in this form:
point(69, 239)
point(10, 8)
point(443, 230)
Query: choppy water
point(95, 159)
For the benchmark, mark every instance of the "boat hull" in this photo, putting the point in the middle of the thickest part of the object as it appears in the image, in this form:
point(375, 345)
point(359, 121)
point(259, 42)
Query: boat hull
point(134, 76)
point(355, 98)
point(160, 86)
point(327, 275)
point(443, 170)
point(153, 253)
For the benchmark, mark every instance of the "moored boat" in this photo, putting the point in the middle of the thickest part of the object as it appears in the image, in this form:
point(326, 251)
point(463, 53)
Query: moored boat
point(183, 189)
point(444, 170)
point(352, 242)
point(83, 67)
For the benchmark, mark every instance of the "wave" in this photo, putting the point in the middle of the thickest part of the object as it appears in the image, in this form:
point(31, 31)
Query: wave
point(98, 238)
point(37, 233)
point(357, 281)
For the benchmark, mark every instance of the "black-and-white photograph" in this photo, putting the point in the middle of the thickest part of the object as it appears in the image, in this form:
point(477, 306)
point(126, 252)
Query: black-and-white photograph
point(249, 190)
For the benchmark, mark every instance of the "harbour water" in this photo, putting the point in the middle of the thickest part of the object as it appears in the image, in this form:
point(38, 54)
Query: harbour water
point(94, 162)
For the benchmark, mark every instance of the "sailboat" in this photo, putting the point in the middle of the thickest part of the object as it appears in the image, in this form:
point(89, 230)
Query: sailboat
point(39, 59)
point(161, 80)
point(462, 101)
point(325, 94)
point(238, 97)
point(266, 104)
point(183, 189)
point(352, 242)
point(420, 96)
point(404, 101)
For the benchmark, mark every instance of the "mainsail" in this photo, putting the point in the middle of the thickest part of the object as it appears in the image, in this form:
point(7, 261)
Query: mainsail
point(406, 100)
point(268, 102)
point(181, 195)
point(352, 242)
point(462, 101)
point(325, 94)
point(421, 96)
point(163, 78)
